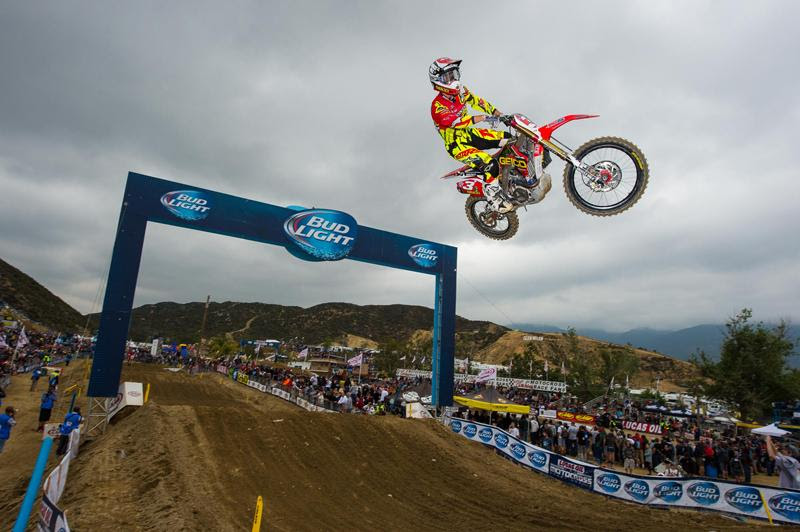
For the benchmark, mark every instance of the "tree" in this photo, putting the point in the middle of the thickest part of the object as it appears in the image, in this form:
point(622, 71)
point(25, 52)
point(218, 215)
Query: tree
point(527, 365)
point(616, 363)
point(391, 351)
point(222, 346)
point(752, 371)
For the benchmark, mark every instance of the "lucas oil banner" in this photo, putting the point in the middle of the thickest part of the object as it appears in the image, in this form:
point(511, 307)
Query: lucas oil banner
point(728, 497)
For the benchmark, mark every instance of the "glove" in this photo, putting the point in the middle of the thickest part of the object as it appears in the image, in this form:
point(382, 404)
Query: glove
point(506, 119)
point(493, 121)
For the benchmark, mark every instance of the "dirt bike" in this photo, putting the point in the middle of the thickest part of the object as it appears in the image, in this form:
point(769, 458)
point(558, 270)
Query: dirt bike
point(603, 177)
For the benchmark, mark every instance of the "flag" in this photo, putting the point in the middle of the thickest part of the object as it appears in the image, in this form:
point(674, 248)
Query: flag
point(303, 353)
point(356, 361)
point(626, 381)
point(403, 357)
point(486, 375)
point(545, 366)
point(413, 360)
point(22, 341)
point(611, 385)
point(423, 360)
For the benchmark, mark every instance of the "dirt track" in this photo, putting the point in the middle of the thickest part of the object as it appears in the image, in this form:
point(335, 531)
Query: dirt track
point(202, 450)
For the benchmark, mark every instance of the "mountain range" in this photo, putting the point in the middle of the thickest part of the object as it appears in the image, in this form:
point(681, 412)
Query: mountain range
point(680, 344)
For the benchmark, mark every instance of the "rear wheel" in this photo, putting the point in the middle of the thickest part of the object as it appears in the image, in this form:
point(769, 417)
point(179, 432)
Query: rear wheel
point(617, 180)
point(488, 222)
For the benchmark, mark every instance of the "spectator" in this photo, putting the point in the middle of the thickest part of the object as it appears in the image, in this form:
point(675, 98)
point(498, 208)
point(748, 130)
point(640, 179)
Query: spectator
point(513, 430)
point(35, 374)
point(611, 449)
point(746, 459)
point(583, 443)
point(786, 463)
point(534, 430)
point(71, 422)
point(6, 422)
point(53, 382)
point(628, 455)
point(46, 408)
point(648, 457)
point(572, 440)
point(524, 427)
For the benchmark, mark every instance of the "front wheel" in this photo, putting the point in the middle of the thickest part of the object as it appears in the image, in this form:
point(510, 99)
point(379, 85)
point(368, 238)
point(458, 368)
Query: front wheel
point(489, 222)
point(616, 178)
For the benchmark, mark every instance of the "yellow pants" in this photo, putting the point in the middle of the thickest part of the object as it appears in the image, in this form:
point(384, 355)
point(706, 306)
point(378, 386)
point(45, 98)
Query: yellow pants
point(467, 146)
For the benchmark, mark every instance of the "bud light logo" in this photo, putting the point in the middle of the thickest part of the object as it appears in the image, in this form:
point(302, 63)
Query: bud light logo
point(455, 426)
point(786, 504)
point(470, 430)
point(668, 491)
point(426, 255)
point(609, 482)
point(704, 493)
point(744, 499)
point(191, 205)
point(485, 435)
point(518, 450)
point(501, 440)
point(324, 234)
point(637, 489)
point(537, 458)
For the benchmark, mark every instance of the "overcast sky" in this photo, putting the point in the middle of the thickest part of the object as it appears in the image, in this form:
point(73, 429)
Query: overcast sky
point(327, 104)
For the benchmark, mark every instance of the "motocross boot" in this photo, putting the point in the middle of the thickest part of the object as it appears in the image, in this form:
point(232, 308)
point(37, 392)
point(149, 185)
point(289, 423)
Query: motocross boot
point(498, 201)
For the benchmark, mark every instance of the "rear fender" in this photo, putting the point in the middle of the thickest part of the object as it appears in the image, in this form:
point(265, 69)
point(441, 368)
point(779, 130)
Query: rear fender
point(472, 186)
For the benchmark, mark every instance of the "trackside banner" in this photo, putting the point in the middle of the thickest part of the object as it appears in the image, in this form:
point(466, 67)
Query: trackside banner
point(274, 390)
point(741, 499)
point(698, 493)
point(518, 450)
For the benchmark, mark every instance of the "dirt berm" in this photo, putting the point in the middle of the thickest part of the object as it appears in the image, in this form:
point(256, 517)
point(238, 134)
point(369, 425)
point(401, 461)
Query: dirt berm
point(203, 449)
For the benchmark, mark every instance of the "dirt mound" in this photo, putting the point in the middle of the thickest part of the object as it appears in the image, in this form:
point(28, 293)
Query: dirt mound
point(198, 455)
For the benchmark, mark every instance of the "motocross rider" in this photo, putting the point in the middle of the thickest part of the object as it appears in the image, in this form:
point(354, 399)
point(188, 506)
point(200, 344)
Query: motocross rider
point(462, 142)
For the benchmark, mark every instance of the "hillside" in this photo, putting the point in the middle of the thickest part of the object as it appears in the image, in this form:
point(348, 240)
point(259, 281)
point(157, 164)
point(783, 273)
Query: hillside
point(35, 302)
point(314, 325)
point(674, 373)
point(343, 323)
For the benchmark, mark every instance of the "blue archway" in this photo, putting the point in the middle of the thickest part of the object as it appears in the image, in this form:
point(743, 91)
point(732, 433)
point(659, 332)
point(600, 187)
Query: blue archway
point(309, 234)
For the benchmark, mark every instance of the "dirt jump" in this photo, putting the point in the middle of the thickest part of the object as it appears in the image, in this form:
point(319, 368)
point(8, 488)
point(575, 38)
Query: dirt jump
point(202, 450)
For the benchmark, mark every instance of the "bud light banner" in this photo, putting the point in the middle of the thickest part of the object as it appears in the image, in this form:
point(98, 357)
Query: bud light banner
point(518, 450)
point(323, 234)
point(745, 500)
point(426, 255)
point(190, 205)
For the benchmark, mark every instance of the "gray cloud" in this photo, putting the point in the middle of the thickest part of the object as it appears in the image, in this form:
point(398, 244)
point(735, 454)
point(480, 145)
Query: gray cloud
point(327, 104)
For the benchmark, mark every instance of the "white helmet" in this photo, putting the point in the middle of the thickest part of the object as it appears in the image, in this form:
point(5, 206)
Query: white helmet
point(445, 75)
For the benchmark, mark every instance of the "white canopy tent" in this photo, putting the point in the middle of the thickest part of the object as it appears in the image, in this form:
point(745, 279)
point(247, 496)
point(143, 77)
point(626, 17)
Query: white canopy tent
point(770, 430)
